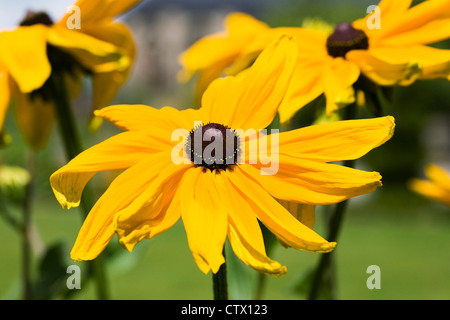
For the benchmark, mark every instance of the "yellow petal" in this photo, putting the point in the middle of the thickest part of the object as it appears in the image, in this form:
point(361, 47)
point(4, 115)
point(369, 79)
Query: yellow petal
point(98, 228)
point(118, 152)
point(4, 95)
point(144, 118)
point(276, 218)
point(383, 71)
point(336, 141)
point(107, 84)
point(93, 11)
point(431, 32)
point(433, 62)
point(234, 101)
point(306, 85)
point(154, 210)
point(244, 232)
point(338, 77)
point(35, 117)
point(438, 175)
point(204, 218)
point(314, 183)
point(438, 186)
point(92, 53)
point(24, 53)
point(390, 11)
point(222, 47)
point(302, 212)
point(417, 19)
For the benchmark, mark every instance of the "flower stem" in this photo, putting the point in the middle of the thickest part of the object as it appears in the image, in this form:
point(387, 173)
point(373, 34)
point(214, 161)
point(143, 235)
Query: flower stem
point(324, 273)
point(72, 146)
point(220, 284)
point(26, 228)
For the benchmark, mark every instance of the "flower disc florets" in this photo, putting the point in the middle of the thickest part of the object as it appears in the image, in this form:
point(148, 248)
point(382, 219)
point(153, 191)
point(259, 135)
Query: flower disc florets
point(346, 38)
point(213, 146)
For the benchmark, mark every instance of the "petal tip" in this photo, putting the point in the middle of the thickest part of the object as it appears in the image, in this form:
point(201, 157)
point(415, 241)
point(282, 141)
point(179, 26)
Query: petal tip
point(327, 247)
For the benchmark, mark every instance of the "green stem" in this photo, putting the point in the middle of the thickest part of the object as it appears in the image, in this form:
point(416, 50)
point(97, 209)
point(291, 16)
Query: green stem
point(26, 228)
point(72, 146)
point(324, 273)
point(220, 284)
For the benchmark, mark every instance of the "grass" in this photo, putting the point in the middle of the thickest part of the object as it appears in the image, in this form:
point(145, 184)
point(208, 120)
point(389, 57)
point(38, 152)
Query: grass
point(406, 236)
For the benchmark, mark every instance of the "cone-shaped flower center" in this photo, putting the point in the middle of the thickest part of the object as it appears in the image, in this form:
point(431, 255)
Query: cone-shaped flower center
point(346, 38)
point(33, 18)
point(213, 146)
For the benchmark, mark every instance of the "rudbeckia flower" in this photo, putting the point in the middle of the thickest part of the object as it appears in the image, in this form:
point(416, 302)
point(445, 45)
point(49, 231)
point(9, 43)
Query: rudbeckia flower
point(437, 187)
point(170, 173)
point(330, 64)
point(91, 43)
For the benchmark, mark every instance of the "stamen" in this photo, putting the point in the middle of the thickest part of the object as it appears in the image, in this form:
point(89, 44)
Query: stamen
point(346, 38)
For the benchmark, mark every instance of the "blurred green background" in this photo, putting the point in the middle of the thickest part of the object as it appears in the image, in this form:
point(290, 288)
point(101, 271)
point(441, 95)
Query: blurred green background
point(406, 235)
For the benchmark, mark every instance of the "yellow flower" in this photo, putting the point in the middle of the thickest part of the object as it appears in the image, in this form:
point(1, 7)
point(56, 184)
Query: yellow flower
point(217, 196)
point(437, 187)
point(92, 44)
point(395, 54)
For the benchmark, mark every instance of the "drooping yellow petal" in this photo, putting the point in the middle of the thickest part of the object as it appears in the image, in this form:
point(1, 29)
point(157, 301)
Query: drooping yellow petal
point(154, 210)
point(244, 232)
point(306, 85)
point(336, 141)
point(30, 68)
point(35, 117)
point(118, 152)
point(302, 212)
point(338, 77)
point(305, 213)
point(382, 70)
point(258, 90)
point(4, 95)
point(107, 84)
point(98, 228)
point(433, 63)
point(275, 217)
point(92, 53)
point(204, 218)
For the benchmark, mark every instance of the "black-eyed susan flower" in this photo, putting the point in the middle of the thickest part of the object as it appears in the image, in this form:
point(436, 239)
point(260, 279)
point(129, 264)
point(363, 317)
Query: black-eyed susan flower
point(437, 187)
point(91, 44)
point(394, 54)
point(220, 192)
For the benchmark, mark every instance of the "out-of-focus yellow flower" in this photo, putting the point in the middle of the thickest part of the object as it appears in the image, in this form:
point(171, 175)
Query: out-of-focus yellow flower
point(395, 54)
point(219, 196)
point(91, 43)
point(437, 187)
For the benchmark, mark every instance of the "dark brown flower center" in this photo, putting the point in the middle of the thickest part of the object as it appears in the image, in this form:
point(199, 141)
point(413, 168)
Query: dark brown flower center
point(346, 38)
point(33, 18)
point(213, 146)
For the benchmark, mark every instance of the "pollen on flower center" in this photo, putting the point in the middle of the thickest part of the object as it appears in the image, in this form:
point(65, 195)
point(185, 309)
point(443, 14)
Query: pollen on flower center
point(346, 38)
point(33, 18)
point(213, 146)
